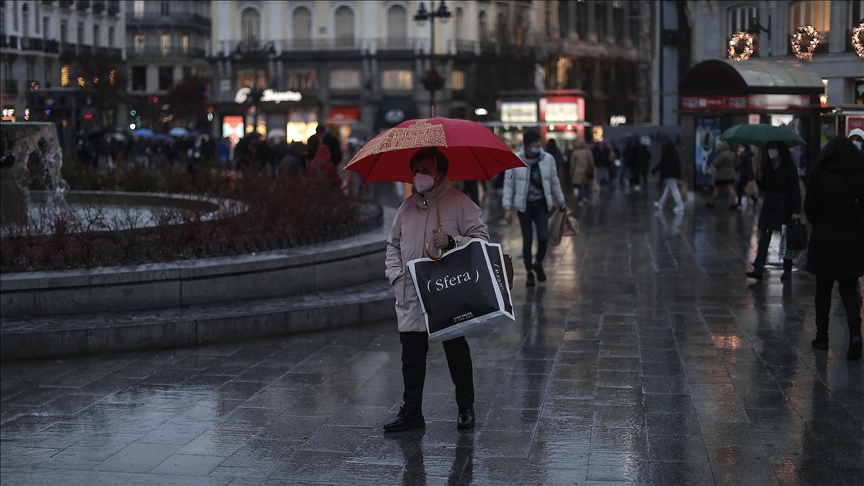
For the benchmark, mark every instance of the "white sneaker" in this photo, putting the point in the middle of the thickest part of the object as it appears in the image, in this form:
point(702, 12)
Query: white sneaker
point(678, 209)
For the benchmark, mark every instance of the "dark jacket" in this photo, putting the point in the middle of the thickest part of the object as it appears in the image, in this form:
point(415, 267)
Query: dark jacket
point(745, 173)
point(836, 248)
point(331, 142)
point(670, 163)
point(782, 192)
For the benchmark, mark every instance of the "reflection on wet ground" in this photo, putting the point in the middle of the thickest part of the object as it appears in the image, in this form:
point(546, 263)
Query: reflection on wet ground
point(645, 359)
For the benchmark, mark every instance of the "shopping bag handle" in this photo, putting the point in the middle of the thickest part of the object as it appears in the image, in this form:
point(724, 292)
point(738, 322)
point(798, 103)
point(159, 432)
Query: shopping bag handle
point(429, 252)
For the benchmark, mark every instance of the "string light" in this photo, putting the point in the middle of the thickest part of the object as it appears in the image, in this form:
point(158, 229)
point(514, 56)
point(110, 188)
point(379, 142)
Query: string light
point(746, 49)
point(111, 77)
point(64, 75)
point(81, 81)
point(857, 43)
point(802, 51)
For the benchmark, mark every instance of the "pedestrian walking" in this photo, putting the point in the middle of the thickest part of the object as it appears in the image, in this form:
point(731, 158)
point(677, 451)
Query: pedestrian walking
point(745, 175)
point(531, 192)
point(778, 178)
point(724, 175)
point(412, 227)
point(582, 171)
point(562, 164)
point(670, 171)
point(836, 249)
point(857, 138)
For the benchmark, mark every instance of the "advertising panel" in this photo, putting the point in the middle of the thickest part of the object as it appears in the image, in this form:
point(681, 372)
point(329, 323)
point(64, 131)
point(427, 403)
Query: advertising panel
point(519, 112)
point(708, 131)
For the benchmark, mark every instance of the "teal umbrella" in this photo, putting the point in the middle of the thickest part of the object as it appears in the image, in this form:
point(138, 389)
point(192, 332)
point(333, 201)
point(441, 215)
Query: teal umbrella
point(760, 134)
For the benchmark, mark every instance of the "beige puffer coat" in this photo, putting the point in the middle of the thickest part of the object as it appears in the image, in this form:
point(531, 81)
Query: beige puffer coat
point(412, 228)
point(580, 160)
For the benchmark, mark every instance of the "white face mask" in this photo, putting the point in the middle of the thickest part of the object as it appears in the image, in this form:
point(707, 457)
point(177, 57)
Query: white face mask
point(858, 145)
point(773, 153)
point(423, 182)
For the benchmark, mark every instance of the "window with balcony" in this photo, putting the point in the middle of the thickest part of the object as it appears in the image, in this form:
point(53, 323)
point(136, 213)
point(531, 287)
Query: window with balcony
point(582, 20)
point(393, 80)
point(740, 17)
point(38, 6)
point(64, 31)
point(139, 78)
point(302, 81)
point(25, 21)
point(301, 21)
point(812, 12)
point(184, 43)
point(15, 15)
point(165, 9)
point(250, 27)
point(111, 33)
point(97, 41)
point(166, 77)
point(618, 21)
point(46, 24)
point(397, 23)
point(344, 28)
point(458, 23)
point(635, 22)
point(138, 8)
point(165, 43)
point(457, 80)
point(139, 42)
point(345, 79)
point(600, 21)
point(483, 26)
point(80, 33)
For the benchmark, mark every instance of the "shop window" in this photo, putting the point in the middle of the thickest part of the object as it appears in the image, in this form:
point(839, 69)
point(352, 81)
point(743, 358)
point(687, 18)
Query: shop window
point(344, 79)
point(457, 80)
point(139, 78)
point(812, 12)
point(250, 27)
point(402, 79)
point(247, 79)
point(184, 43)
point(740, 17)
point(166, 43)
point(139, 42)
point(166, 77)
point(302, 81)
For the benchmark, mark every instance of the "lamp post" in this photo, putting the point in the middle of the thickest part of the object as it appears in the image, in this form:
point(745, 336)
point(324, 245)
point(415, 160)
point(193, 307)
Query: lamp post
point(421, 17)
point(756, 28)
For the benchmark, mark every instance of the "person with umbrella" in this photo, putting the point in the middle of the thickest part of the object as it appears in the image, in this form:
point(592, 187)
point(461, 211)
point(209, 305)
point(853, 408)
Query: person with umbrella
point(460, 222)
point(836, 248)
point(529, 192)
point(778, 178)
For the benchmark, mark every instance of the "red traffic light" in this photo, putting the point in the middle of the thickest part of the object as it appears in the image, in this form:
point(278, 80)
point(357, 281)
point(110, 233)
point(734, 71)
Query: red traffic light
point(154, 99)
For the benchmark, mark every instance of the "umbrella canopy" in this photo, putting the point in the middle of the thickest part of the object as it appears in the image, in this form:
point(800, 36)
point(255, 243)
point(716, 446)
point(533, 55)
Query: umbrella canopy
point(160, 136)
point(276, 133)
point(760, 134)
point(143, 133)
point(473, 150)
point(178, 132)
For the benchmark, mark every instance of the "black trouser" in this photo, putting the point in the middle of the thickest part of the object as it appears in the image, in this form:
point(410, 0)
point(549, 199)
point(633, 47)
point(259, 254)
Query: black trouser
point(762, 252)
point(849, 296)
point(536, 214)
point(739, 189)
point(415, 345)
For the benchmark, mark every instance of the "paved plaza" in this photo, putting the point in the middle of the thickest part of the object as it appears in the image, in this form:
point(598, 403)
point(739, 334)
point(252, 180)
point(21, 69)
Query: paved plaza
point(645, 359)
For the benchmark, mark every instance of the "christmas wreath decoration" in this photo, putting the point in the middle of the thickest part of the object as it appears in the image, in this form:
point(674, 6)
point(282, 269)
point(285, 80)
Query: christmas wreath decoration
point(433, 81)
point(857, 43)
point(744, 41)
point(804, 51)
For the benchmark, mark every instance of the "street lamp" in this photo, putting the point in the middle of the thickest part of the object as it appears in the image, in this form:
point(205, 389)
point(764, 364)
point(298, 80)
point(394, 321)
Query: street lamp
point(421, 17)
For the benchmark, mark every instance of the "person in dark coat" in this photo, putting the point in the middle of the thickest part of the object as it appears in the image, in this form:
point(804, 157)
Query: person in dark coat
point(745, 173)
point(563, 166)
point(778, 178)
point(322, 136)
point(670, 171)
point(835, 207)
point(321, 167)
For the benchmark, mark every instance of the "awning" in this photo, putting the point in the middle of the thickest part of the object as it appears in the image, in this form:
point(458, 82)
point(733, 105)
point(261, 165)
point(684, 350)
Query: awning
point(391, 114)
point(755, 76)
point(343, 115)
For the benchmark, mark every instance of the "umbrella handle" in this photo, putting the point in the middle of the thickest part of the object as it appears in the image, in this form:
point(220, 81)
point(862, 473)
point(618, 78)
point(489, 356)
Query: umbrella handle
point(429, 252)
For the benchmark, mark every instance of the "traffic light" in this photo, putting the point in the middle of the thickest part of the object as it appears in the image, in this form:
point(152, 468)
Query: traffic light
point(133, 112)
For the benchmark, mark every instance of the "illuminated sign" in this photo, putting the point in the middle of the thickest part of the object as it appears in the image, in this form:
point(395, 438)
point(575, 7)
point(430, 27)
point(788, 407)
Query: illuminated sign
point(267, 96)
point(758, 102)
point(519, 112)
point(616, 120)
point(562, 112)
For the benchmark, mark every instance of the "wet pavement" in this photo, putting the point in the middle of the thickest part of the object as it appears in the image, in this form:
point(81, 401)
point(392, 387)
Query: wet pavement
point(645, 359)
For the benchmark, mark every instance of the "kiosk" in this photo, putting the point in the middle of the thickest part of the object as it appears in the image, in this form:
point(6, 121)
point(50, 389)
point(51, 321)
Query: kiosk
point(718, 94)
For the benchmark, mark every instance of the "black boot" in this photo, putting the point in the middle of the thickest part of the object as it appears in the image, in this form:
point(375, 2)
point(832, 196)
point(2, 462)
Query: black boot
point(821, 341)
point(466, 418)
point(855, 345)
point(529, 279)
point(787, 270)
point(538, 269)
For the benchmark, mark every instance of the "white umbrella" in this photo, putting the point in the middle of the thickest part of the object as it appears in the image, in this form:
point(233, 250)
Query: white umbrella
point(178, 132)
point(276, 133)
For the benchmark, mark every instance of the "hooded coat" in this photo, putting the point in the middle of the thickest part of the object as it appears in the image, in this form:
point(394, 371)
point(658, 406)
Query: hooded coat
point(836, 248)
point(724, 163)
point(412, 228)
point(580, 160)
point(782, 192)
point(670, 163)
point(516, 182)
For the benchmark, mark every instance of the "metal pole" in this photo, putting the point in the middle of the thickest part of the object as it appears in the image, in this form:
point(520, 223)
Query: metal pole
point(432, 59)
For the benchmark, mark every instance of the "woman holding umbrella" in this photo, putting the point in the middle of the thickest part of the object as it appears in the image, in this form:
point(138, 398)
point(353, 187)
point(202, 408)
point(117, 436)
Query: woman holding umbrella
point(413, 225)
point(778, 178)
point(836, 249)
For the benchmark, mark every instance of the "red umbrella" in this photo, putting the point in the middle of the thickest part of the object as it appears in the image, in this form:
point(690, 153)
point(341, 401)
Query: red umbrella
point(473, 150)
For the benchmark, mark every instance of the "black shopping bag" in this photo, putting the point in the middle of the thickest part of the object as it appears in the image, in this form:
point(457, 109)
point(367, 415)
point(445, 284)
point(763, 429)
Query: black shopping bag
point(464, 292)
point(796, 236)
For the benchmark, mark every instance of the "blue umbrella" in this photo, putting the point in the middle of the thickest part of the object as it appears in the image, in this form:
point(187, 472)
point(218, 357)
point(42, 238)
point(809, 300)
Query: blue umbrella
point(160, 136)
point(178, 132)
point(143, 133)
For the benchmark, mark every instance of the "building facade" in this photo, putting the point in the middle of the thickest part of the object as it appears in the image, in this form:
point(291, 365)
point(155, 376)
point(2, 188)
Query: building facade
point(360, 67)
point(60, 62)
point(165, 42)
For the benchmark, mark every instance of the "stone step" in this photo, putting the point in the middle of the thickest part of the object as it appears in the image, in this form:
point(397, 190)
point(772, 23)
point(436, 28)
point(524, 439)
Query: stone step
point(112, 332)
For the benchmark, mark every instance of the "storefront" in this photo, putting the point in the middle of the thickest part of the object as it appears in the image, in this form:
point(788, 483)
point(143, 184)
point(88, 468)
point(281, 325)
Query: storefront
point(342, 119)
point(392, 113)
point(718, 94)
point(555, 114)
point(286, 111)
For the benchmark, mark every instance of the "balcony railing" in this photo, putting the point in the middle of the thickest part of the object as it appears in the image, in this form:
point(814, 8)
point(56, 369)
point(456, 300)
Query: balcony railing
point(85, 51)
point(396, 44)
point(114, 53)
point(113, 7)
point(31, 44)
point(66, 4)
point(98, 6)
point(9, 41)
point(52, 47)
point(82, 4)
point(155, 52)
point(416, 45)
point(173, 19)
point(10, 86)
point(68, 49)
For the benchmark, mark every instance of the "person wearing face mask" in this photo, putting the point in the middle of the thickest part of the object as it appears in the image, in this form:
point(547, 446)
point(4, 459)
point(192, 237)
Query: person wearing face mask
point(834, 206)
point(415, 224)
point(778, 178)
point(528, 193)
point(857, 138)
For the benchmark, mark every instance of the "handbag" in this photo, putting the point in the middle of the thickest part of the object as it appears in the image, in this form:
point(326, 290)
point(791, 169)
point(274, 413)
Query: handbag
point(796, 236)
point(561, 224)
point(751, 189)
point(589, 172)
point(465, 291)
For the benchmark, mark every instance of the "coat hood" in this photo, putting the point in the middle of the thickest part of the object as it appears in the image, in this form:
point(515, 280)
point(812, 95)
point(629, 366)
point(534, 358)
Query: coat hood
point(580, 144)
point(323, 153)
point(840, 155)
point(723, 146)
